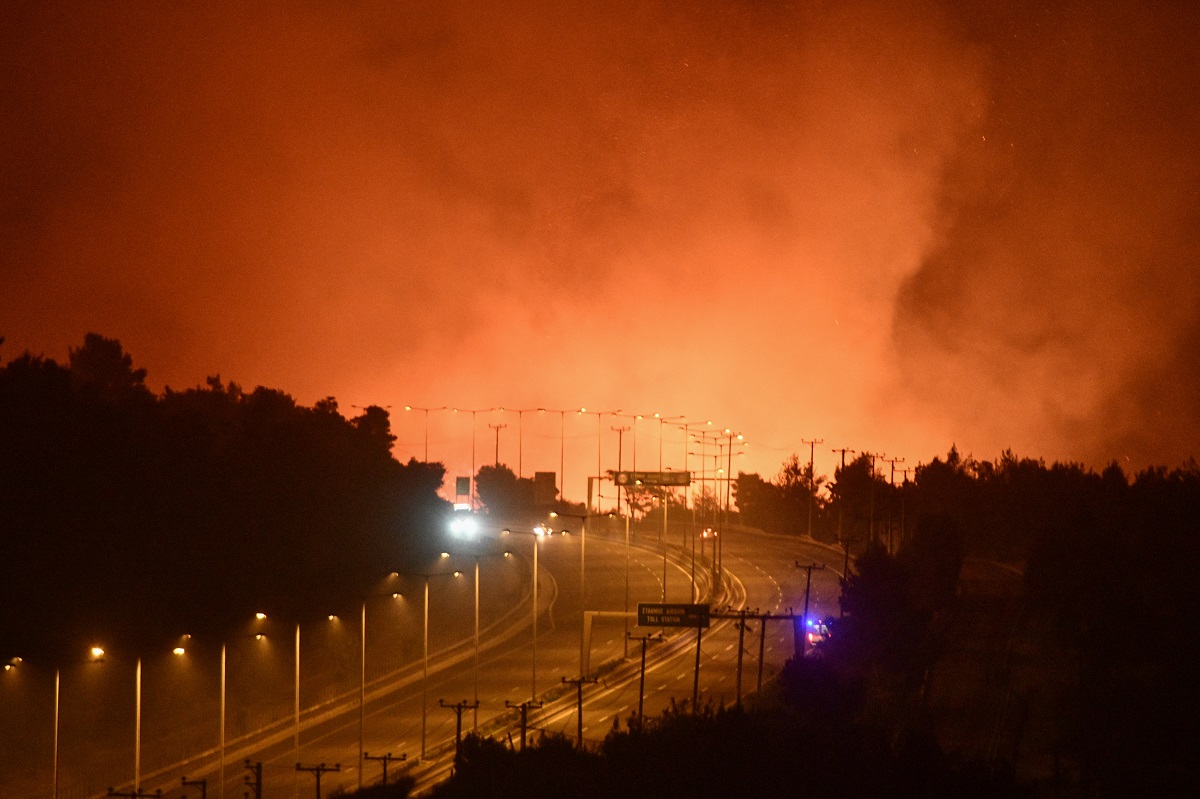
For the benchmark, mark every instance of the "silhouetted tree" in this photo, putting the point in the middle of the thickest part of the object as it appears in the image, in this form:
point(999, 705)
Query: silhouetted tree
point(134, 517)
point(504, 495)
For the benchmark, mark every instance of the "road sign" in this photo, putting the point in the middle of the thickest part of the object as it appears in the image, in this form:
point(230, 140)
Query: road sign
point(653, 478)
point(462, 486)
point(652, 614)
point(545, 488)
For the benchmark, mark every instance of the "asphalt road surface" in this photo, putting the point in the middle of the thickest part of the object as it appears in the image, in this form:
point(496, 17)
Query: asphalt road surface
point(406, 711)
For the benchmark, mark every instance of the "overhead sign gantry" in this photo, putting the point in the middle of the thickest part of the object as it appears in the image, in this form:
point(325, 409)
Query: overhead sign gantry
point(627, 479)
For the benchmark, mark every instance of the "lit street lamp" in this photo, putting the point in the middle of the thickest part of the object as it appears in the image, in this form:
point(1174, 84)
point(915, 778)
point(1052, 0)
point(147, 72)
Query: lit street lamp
point(538, 533)
point(583, 517)
point(362, 684)
point(473, 411)
point(426, 411)
point(562, 450)
point(426, 576)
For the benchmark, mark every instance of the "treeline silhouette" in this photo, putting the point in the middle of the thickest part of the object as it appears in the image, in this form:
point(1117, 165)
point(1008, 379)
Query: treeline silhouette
point(133, 517)
point(1108, 605)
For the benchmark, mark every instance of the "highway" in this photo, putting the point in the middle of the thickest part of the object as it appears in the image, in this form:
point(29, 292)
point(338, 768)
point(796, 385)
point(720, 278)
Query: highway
point(760, 577)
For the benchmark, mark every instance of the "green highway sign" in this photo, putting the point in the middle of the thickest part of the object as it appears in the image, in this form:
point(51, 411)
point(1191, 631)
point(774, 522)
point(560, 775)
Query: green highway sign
point(653, 478)
point(651, 614)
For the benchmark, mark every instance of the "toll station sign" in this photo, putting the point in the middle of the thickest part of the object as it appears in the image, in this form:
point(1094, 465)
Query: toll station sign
point(658, 614)
point(627, 479)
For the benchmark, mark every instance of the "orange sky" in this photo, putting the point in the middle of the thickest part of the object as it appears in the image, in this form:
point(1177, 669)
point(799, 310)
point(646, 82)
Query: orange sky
point(891, 229)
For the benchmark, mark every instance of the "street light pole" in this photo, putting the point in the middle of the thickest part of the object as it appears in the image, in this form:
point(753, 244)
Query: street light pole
point(54, 778)
point(537, 534)
point(362, 688)
point(137, 743)
point(426, 412)
point(475, 710)
point(221, 736)
point(424, 665)
point(562, 449)
point(533, 671)
point(296, 701)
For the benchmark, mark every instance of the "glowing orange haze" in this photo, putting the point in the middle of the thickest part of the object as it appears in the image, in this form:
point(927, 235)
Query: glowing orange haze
point(890, 229)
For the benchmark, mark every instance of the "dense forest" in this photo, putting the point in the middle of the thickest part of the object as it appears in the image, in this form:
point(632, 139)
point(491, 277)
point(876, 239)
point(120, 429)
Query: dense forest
point(1107, 608)
point(138, 516)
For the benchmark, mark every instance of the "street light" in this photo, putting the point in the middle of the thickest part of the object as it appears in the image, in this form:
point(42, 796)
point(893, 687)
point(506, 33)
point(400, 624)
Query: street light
point(476, 556)
point(97, 655)
point(426, 411)
point(426, 576)
point(583, 517)
point(538, 533)
point(562, 449)
point(473, 411)
point(599, 433)
point(260, 616)
point(221, 736)
point(362, 684)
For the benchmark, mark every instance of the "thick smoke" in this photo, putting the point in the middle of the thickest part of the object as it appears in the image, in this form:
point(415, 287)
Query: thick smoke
point(1058, 311)
point(894, 228)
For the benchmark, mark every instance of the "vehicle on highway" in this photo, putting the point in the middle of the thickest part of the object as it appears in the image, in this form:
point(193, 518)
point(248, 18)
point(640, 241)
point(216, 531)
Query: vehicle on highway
point(817, 633)
point(463, 523)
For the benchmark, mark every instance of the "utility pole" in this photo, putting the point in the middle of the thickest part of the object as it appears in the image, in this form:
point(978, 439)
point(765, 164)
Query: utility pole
point(317, 771)
point(871, 517)
point(842, 499)
point(201, 783)
point(846, 542)
point(812, 476)
point(903, 491)
point(458, 708)
point(524, 708)
point(497, 428)
point(762, 646)
point(656, 638)
point(741, 628)
point(891, 485)
point(384, 760)
point(136, 793)
point(579, 682)
point(809, 568)
point(253, 780)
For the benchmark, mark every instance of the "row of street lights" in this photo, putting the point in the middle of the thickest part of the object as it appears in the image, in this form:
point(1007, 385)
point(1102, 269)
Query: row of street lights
point(662, 420)
point(97, 654)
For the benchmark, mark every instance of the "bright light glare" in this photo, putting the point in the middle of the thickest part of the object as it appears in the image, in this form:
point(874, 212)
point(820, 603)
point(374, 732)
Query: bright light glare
point(463, 525)
point(259, 637)
point(445, 554)
point(178, 651)
point(97, 652)
point(260, 616)
point(332, 617)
